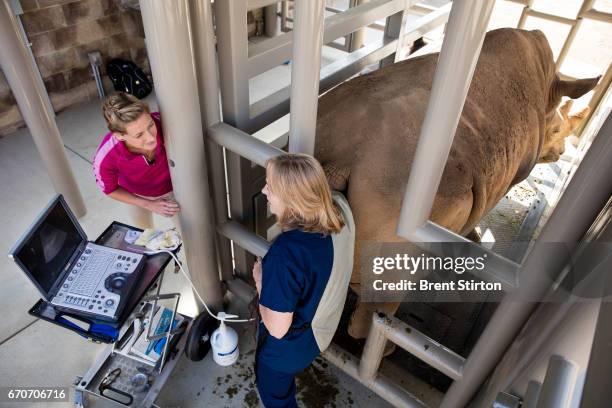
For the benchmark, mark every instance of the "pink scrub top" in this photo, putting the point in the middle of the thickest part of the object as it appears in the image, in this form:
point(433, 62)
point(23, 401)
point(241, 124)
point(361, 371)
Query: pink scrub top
point(115, 166)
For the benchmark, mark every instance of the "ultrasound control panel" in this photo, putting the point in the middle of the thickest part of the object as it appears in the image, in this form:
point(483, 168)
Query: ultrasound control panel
point(99, 281)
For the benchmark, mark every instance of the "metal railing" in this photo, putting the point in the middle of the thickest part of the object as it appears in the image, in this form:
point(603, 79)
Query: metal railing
point(455, 68)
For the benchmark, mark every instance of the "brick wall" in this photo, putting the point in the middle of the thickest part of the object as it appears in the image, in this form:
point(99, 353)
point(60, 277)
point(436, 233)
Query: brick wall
point(62, 33)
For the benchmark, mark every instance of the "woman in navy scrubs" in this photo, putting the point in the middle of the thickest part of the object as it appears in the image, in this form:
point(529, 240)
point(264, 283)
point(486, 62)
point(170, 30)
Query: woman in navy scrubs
point(293, 275)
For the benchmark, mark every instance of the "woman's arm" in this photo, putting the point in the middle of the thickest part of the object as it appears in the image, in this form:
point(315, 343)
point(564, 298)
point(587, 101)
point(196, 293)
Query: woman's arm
point(161, 206)
point(277, 323)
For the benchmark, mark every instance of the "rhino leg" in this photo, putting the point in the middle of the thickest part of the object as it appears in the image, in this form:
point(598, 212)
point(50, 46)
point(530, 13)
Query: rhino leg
point(473, 235)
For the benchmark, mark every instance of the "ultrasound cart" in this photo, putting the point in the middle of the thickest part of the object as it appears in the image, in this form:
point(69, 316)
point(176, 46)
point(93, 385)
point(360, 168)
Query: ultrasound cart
point(119, 377)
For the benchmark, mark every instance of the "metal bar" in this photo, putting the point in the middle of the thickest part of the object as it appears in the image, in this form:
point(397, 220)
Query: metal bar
point(394, 27)
point(308, 32)
point(356, 38)
point(334, 10)
point(532, 394)
point(255, 4)
point(558, 384)
point(419, 28)
point(523, 18)
point(599, 92)
point(550, 17)
point(230, 17)
point(242, 143)
point(392, 393)
point(276, 105)
point(271, 20)
point(270, 53)
point(249, 241)
point(589, 190)
point(182, 125)
point(499, 269)
point(598, 15)
point(233, 56)
point(569, 40)
point(284, 13)
point(597, 382)
point(416, 343)
point(208, 85)
point(462, 42)
point(241, 289)
point(373, 349)
point(30, 96)
point(523, 2)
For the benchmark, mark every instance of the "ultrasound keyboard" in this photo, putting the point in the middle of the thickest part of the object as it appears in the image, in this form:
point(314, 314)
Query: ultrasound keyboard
point(98, 280)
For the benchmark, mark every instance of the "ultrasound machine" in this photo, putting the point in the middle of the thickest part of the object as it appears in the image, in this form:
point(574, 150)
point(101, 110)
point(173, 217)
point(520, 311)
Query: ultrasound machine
point(71, 273)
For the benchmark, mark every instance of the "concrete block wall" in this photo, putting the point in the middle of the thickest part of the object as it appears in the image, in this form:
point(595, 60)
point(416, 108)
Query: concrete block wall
point(62, 33)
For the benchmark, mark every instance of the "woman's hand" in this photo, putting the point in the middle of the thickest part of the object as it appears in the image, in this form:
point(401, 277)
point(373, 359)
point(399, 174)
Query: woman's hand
point(163, 206)
point(257, 274)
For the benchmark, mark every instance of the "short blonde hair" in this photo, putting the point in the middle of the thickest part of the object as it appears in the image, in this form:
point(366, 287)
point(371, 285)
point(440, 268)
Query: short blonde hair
point(299, 182)
point(121, 108)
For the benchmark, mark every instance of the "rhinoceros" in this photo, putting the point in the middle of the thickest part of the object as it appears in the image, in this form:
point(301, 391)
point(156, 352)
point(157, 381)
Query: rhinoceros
point(368, 127)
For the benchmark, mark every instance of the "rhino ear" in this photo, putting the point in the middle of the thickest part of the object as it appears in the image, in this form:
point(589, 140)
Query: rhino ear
point(576, 88)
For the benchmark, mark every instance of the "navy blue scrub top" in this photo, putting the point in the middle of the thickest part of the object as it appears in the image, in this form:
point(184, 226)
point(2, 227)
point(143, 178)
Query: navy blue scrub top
point(296, 270)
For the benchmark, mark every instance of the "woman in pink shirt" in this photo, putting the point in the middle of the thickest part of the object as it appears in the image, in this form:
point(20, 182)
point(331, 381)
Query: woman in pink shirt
point(131, 165)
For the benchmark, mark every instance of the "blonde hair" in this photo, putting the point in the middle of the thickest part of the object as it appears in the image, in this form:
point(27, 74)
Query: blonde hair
point(121, 108)
point(299, 182)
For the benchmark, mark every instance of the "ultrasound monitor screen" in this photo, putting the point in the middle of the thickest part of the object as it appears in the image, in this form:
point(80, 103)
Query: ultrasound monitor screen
point(47, 250)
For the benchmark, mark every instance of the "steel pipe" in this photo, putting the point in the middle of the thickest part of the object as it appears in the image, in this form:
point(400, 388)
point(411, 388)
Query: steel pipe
point(249, 241)
point(585, 196)
point(307, 43)
point(465, 34)
point(208, 86)
point(558, 383)
point(373, 349)
point(243, 144)
point(30, 95)
point(532, 394)
point(166, 25)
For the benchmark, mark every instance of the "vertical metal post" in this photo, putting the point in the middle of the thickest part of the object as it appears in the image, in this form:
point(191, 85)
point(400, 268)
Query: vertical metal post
point(586, 5)
point(232, 42)
point(524, 14)
point(271, 20)
point(462, 43)
point(284, 14)
point(589, 190)
point(357, 38)
point(373, 349)
point(597, 382)
point(558, 384)
point(208, 85)
point(305, 69)
point(167, 27)
point(532, 394)
point(393, 29)
point(30, 96)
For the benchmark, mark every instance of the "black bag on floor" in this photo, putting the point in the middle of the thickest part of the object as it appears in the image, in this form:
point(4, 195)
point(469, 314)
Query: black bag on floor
point(128, 77)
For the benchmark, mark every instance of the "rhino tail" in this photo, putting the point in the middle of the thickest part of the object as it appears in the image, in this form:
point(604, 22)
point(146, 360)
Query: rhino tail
point(337, 177)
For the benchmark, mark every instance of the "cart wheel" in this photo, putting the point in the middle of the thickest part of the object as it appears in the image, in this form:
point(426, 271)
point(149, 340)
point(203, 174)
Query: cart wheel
point(198, 338)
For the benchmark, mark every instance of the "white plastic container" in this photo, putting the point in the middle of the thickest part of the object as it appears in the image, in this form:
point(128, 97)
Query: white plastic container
point(224, 343)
